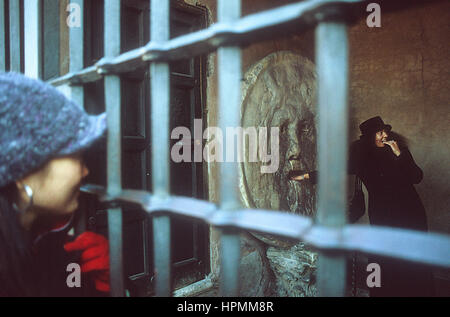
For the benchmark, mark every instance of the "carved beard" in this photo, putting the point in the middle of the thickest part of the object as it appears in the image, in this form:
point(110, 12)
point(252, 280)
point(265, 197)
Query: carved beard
point(296, 197)
point(279, 91)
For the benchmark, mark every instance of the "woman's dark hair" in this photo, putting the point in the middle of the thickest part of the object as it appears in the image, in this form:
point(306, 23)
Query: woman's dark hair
point(15, 252)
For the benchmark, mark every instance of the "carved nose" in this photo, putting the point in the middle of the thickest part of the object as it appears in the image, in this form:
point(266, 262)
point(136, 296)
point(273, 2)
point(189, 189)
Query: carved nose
point(294, 162)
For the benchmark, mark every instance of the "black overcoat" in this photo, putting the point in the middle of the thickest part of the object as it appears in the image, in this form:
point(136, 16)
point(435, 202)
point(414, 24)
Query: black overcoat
point(31, 266)
point(389, 179)
point(393, 202)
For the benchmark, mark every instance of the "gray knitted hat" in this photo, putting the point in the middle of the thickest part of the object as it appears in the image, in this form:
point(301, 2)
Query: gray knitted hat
point(38, 123)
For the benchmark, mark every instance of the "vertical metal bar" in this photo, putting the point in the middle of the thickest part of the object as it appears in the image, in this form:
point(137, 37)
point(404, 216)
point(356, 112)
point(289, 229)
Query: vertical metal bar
point(230, 76)
point(332, 65)
point(76, 37)
point(76, 52)
point(33, 38)
point(14, 35)
point(51, 38)
point(2, 37)
point(160, 103)
point(114, 165)
point(76, 56)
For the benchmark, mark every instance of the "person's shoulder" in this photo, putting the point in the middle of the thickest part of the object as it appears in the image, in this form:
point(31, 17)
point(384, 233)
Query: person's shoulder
point(357, 146)
point(356, 143)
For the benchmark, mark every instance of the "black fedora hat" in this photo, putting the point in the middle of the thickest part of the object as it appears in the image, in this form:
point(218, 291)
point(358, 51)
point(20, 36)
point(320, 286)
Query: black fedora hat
point(373, 125)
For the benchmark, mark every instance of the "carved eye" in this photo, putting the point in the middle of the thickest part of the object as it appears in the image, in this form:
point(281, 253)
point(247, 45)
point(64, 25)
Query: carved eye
point(303, 127)
point(283, 127)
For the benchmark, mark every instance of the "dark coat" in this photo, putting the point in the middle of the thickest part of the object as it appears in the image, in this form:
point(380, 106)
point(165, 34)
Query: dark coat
point(31, 266)
point(393, 200)
point(51, 261)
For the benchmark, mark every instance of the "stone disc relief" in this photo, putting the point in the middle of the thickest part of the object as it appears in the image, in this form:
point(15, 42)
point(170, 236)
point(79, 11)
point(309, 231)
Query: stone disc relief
point(280, 91)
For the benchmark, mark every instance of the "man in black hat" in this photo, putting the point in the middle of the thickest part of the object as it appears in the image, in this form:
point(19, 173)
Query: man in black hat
point(383, 162)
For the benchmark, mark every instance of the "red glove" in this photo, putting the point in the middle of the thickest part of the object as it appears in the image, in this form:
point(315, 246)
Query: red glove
point(94, 258)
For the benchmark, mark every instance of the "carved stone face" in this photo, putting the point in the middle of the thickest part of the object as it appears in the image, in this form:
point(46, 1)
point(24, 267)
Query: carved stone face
point(280, 91)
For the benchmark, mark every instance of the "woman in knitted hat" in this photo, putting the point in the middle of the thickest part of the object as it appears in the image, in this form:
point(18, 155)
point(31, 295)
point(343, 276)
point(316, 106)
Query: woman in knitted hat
point(42, 137)
point(381, 159)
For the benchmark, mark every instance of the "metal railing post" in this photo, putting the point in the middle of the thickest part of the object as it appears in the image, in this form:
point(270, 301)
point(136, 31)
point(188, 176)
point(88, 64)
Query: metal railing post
point(160, 104)
point(76, 57)
point(2, 36)
point(230, 76)
point(76, 53)
point(332, 66)
point(14, 36)
point(33, 38)
point(114, 150)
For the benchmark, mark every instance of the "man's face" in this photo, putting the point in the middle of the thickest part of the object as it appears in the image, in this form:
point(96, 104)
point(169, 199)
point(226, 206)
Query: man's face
point(380, 138)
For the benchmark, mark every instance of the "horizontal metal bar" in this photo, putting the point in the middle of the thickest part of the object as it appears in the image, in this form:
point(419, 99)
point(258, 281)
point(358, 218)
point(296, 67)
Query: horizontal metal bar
point(416, 246)
point(249, 29)
point(87, 75)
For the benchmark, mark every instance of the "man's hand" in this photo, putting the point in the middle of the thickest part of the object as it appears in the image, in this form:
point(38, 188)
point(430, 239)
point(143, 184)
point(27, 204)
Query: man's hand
point(300, 177)
point(394, 147)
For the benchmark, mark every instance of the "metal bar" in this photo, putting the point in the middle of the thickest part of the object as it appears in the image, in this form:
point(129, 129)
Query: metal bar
point(87, 75)
point(332, 63)
point(76, 53)
point(113, 101)
point(51, 48)
point(14, 35)
point(292, 18)
point(33, 38)
point(76, 40)
point(160, 103)
point(230, 76)
point(416, 246)
point(285, 20)
point(76, 56)
point(2, 37)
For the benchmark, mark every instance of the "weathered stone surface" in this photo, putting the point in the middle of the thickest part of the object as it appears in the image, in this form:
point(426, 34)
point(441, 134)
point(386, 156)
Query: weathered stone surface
point(280, 91)
point(255, 274)
point(295, 270)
